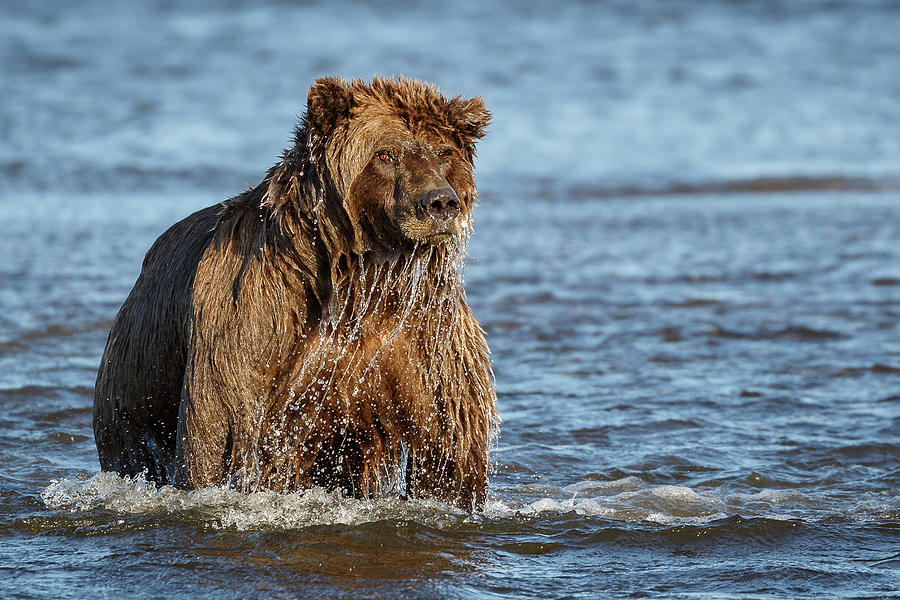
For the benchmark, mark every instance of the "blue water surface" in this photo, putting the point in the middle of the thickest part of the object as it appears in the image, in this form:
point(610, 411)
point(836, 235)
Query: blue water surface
point(686, 258)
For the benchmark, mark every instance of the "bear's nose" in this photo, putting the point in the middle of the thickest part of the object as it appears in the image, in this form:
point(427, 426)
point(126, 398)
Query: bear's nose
point(440, 204)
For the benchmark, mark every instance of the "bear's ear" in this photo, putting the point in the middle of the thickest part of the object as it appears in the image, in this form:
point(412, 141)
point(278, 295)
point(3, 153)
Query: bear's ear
point(469, 117)
point(327, 104)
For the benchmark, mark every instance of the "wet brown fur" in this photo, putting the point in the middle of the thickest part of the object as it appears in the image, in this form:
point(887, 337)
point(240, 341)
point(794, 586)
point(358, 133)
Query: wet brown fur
point(314, 329)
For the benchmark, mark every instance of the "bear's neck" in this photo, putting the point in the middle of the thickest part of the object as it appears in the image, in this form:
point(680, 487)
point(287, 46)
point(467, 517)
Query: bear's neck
point(399, 292)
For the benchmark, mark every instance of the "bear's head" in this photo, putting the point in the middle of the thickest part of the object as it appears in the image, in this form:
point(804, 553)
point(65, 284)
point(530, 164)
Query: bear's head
point(399, 157)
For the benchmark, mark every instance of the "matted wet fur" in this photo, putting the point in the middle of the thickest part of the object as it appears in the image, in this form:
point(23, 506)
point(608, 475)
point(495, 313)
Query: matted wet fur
point(314, 329)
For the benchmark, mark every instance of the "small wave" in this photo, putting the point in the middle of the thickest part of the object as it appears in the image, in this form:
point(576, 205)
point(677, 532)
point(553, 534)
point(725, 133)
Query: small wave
point(758, 185)
point(696, 303)
point(877, 368)
point(793, 333)
point(886, 281)
point(89, 176)
point(51, 331)
point(25, 392)
point(633, 499)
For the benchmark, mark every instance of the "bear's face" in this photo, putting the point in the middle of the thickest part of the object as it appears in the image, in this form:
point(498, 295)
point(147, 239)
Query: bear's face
point(400, 157)
point(409, 187)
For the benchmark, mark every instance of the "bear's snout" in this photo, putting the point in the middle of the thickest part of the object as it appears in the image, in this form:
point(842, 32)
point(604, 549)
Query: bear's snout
point(441, 204)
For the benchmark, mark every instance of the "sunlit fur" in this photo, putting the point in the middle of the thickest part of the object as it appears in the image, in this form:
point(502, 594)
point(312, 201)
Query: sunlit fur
point(314, 329)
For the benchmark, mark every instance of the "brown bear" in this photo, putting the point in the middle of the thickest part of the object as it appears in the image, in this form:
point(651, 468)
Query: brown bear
point(314, 330)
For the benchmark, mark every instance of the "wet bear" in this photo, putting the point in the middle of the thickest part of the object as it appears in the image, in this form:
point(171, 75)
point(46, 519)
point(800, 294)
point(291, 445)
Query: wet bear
point(314, 330)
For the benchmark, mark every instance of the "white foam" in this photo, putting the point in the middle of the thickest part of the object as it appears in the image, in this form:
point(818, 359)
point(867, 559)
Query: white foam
point(626, 484)
point(664, 519)
point(587, 507)
point(633, 499)
point(224, 508)
point(677, 494)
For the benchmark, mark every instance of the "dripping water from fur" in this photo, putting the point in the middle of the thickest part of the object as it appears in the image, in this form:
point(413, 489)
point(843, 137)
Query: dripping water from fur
point(378, 299)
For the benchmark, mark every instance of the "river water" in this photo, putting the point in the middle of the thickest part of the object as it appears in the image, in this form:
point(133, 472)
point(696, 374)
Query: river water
point(687, 260)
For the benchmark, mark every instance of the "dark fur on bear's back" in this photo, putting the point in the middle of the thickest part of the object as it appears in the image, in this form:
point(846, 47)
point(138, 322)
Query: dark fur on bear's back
point(314, 330)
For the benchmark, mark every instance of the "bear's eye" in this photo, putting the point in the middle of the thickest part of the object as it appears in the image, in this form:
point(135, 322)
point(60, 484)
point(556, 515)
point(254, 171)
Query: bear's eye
point(384, 156)
point(445, 154)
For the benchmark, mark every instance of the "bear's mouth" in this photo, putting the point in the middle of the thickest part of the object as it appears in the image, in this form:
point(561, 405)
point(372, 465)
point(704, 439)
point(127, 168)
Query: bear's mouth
point(440, 237)
point(428, 231)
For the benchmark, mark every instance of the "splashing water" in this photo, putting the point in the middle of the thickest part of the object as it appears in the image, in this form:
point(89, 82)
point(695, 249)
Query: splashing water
point(224, 508)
